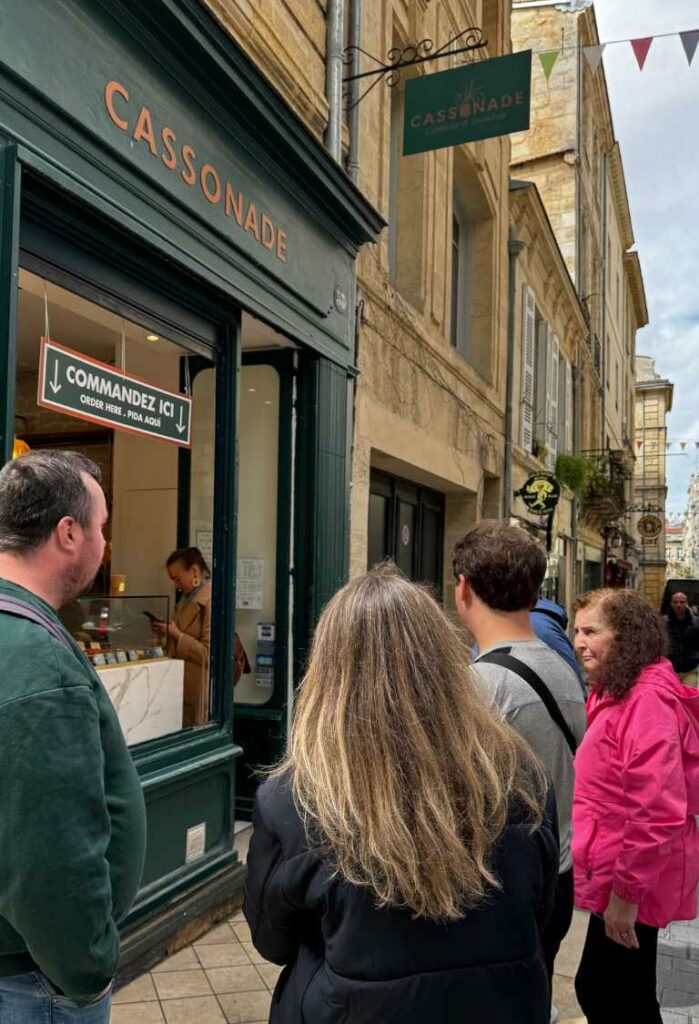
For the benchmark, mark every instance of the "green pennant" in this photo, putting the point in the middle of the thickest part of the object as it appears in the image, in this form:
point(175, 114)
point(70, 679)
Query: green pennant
point(548, 59)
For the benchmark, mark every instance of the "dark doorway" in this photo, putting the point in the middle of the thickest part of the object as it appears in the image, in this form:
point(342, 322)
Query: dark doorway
point(406, 523)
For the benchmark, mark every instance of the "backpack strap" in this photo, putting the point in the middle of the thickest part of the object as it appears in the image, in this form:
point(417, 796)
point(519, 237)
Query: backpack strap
point(502, 657)
point(24, 610)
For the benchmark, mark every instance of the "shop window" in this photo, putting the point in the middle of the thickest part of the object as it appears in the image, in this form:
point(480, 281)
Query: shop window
point(406, 524)
point(159, 494)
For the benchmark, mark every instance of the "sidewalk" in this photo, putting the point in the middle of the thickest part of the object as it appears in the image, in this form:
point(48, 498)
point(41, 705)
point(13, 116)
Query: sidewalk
point(220, 979)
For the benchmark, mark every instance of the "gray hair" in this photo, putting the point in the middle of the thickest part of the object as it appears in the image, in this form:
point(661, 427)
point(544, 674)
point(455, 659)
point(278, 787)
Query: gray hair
point(37, 490)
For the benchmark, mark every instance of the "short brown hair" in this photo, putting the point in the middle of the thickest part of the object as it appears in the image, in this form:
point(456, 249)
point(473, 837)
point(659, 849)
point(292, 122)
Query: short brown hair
point(503, 564)
point(639, 637)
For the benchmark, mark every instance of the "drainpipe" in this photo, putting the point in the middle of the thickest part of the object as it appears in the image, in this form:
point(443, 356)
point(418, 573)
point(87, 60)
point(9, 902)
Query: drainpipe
point(355, 40)
point(514, 248)
point(333, 76)
point(603, 300)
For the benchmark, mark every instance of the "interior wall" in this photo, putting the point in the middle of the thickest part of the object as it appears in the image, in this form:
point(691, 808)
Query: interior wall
point(144, 488)
point(257, 512)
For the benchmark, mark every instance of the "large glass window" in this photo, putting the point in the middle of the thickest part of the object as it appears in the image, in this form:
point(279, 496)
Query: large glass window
point(144, 624)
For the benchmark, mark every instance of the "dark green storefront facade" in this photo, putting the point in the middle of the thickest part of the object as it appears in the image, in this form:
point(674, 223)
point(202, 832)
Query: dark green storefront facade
point(147, 166)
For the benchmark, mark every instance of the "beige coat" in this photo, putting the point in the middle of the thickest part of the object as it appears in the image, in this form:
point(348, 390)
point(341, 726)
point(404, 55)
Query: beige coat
point(193, 646)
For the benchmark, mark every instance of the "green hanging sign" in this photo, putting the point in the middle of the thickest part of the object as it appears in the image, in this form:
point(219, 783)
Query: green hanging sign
point(474, 101)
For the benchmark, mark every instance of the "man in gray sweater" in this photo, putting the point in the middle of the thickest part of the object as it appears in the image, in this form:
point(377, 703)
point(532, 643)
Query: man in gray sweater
point(499, 569)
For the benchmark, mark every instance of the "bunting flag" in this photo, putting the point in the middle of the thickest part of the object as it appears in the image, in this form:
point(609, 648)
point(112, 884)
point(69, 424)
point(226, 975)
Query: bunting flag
point(594, 55)
point(683, 445)
point(668, 446)
point(548, 59)
point(640, 48)
point(689, 42)
point(639, 444)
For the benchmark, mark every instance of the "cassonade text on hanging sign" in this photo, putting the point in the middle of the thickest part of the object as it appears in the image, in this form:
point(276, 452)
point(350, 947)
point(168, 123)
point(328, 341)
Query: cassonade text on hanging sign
point(180, 157)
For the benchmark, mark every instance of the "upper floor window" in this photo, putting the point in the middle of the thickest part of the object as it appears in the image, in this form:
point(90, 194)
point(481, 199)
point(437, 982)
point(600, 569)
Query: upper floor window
point(461, 274)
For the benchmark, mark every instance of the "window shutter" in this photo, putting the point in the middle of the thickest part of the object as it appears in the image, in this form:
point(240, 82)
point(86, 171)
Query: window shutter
point(552, 402)
point(526, 433)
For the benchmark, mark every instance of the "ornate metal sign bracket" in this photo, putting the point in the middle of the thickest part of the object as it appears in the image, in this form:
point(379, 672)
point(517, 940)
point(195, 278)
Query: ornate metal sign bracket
point(400, 57)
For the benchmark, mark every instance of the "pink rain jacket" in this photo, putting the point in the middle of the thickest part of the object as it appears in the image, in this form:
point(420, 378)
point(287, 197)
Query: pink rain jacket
point(636, 794)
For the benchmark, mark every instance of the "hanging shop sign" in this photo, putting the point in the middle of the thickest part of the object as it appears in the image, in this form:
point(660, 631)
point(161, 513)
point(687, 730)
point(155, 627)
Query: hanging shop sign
point(88, 389)
point(474, 101)
point(650, 527)
point(540, 493)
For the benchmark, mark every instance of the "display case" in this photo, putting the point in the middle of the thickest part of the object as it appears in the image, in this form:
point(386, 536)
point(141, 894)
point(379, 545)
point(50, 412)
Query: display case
point(118, 630)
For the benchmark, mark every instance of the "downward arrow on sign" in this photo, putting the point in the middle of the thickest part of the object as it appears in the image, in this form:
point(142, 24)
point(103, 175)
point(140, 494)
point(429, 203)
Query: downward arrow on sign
point(181, 425)
point(53, 384)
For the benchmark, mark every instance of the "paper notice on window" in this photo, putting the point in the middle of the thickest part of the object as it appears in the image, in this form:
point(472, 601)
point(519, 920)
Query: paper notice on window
point(250, 583)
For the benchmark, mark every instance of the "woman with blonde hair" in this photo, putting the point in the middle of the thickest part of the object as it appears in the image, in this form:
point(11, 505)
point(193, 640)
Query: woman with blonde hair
point(405, 852)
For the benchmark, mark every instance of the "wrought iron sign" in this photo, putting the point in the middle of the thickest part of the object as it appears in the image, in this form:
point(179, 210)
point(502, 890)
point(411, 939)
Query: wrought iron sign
point(401, 57)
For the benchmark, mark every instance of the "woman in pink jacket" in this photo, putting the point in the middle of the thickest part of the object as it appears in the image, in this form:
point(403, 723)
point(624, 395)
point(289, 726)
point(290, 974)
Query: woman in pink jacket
point(635, 840)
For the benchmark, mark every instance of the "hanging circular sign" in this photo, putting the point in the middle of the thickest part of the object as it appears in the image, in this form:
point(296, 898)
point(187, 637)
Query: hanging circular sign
point(540, 493)
point(650, 527)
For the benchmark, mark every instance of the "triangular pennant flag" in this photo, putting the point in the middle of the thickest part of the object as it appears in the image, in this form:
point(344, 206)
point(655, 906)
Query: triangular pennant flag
point(548, 59)
point(683, 445)
point(641, 48)
point(639, 444)
point(594, 55)
point(690, 41)
point(668, 445)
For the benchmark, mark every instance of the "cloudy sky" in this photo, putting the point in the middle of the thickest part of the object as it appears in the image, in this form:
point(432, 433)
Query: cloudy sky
point(656, 117)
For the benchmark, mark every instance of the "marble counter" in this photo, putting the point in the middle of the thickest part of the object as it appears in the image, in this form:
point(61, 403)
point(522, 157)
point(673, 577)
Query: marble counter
point(147, 696)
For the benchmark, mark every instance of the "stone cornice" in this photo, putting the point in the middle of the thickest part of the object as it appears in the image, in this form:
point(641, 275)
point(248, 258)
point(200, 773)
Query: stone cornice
point(620, 196)
point(634, 275)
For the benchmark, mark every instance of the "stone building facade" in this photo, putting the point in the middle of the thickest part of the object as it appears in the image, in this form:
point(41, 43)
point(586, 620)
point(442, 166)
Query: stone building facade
point(573, 157)
point(429, 402)
point(653, 403)
point(549, 333)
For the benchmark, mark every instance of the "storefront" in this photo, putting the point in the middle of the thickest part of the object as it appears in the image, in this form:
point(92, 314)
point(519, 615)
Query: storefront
point(188, 248)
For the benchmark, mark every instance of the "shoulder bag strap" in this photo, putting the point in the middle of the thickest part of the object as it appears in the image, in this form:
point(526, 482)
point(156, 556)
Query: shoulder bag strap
point(23, 610)
point(503, 657)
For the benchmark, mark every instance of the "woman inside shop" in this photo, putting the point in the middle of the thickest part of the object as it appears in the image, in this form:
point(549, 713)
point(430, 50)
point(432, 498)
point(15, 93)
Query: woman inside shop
point(402, 861)
point(188, 635)
point(635, 840)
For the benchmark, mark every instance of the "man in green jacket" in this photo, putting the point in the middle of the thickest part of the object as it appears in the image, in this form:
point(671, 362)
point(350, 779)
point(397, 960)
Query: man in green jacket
point(72, 817)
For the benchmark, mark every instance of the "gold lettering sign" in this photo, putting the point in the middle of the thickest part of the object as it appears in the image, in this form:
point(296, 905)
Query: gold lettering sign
point(176, 156)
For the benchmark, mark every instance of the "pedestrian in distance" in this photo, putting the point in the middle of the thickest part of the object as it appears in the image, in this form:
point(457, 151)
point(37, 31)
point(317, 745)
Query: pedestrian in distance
point(635, 839)
point(499, 570)
point(404, 853)
point(683, 632)
point(72, 817)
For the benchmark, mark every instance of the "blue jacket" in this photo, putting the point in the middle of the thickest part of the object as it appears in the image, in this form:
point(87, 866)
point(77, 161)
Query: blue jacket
point(549, 622)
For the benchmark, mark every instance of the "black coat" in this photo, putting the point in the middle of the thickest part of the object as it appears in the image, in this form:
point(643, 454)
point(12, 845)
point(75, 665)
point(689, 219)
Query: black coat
point(348, 962)
point(684, 641)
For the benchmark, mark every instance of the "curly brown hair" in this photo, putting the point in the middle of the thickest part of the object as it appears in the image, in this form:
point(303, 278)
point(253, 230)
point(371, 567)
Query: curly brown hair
point(640, 637)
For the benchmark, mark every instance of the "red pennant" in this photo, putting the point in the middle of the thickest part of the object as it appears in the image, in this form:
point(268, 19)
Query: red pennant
point(641, 48)
point(639, 444)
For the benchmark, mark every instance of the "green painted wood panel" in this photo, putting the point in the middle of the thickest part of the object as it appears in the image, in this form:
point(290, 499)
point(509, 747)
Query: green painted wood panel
point(10, 178)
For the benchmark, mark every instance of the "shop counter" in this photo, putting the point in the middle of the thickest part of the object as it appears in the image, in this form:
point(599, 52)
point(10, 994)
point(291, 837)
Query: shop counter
point(147, 696)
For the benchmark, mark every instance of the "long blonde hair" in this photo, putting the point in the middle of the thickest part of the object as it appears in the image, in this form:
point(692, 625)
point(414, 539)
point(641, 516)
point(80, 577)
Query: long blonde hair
point(402, 774)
